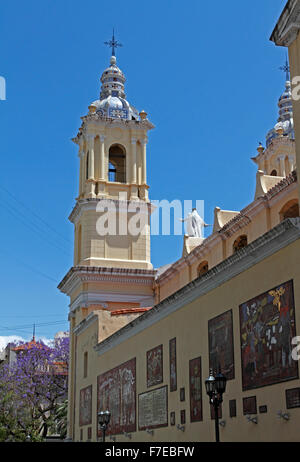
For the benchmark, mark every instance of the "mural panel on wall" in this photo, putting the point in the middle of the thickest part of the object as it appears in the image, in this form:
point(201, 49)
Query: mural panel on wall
point(267, 325)
point(220, 337)
point(85, 406)
point(154, 366)
point(173, 366)
point(116, 391)
point(195, 390)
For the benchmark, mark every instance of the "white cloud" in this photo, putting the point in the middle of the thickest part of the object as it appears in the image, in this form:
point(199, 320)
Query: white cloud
point(5, 339)
point(46, 341)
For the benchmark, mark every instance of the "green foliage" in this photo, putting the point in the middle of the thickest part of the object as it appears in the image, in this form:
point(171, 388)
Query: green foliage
point(61, 419)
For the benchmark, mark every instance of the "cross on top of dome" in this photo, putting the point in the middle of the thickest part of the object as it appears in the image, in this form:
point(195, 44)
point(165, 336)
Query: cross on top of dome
point(286, 69)
point(113, 44)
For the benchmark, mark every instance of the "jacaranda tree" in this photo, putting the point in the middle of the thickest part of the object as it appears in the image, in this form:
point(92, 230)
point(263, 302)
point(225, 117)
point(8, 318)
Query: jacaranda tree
point(32, 388)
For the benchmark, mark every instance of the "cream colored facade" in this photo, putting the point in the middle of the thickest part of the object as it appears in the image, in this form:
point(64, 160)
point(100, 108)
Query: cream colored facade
point(185, 316)
point(121, 308)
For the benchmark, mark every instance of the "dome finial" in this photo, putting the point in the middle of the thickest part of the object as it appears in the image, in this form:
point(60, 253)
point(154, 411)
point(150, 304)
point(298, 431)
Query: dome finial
point(285, 121)
point(113, 44)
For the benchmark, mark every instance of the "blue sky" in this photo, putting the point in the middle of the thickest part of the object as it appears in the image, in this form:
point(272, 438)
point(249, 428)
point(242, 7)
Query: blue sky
point(205, 72)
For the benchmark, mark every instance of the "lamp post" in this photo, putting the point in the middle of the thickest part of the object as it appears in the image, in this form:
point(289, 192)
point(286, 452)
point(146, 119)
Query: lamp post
point(215, 387)
point(103, 421)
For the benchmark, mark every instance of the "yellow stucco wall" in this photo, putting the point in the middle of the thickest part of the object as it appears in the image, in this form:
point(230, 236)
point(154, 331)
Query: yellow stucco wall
point(190, 327)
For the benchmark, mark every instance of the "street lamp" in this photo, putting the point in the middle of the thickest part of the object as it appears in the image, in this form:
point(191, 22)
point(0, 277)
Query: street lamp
point(215, 387)
point(103, 421)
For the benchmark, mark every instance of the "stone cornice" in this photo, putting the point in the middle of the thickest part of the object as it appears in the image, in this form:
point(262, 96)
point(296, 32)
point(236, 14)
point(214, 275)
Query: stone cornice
point(86, 322)
point(80, 274)
point(97, 121)
point(91, 204)
point(288, 25)
point(273, 146)
point(87, 298)
point(275, 142)
point(277, 238)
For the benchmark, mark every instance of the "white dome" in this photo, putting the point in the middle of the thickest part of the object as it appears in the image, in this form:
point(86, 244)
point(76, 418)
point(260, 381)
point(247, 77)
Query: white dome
point(112, 102)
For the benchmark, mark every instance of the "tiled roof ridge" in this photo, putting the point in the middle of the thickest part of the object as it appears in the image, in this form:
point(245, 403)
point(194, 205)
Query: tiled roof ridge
point(291, 178)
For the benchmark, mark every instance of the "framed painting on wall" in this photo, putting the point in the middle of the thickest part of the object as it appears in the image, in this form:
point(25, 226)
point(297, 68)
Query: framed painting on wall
point(116, 391)
point(267, 326)
point(172, 418)
point(85, 406)
point(195, 390)
point(292, 398)
point(173, 365)
point(232, 408)
point(154, 366)
point(249, 405)
point(220, 338)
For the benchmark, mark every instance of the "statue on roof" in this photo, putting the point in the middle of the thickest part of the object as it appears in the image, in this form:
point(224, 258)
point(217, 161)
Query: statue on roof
point(194, 224)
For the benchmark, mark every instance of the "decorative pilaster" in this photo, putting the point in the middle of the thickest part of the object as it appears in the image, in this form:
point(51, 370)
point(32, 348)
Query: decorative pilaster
point(266, 167)
point(144, 162)
point(133, 180)
point(91, 165)
point(91, 150)
point(281, 165)
point(103, 175)
point(81, 167)
point(102, 158)
point(133, 160)
point(291, 162)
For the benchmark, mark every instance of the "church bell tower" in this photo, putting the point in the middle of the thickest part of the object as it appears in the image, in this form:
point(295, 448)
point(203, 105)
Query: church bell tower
point(111, 281)
point(112, 269)
point(112, 143)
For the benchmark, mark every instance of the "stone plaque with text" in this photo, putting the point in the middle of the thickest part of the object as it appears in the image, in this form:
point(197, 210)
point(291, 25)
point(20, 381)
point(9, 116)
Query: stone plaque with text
point(153, 408)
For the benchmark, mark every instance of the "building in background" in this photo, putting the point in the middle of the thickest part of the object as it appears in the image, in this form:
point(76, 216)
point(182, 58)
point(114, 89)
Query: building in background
point(143, 339)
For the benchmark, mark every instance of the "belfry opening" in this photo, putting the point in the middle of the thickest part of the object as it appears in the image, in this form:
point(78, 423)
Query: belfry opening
point(117, 164)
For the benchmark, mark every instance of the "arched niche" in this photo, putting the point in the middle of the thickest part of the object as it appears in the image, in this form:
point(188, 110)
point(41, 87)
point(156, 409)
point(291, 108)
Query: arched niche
point(239, 243)
point(289, 210)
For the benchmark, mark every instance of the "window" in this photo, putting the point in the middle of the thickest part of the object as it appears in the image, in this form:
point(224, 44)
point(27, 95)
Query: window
point(274, 172)
point(239, 243)
point(112, 172)
point(117, 164)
